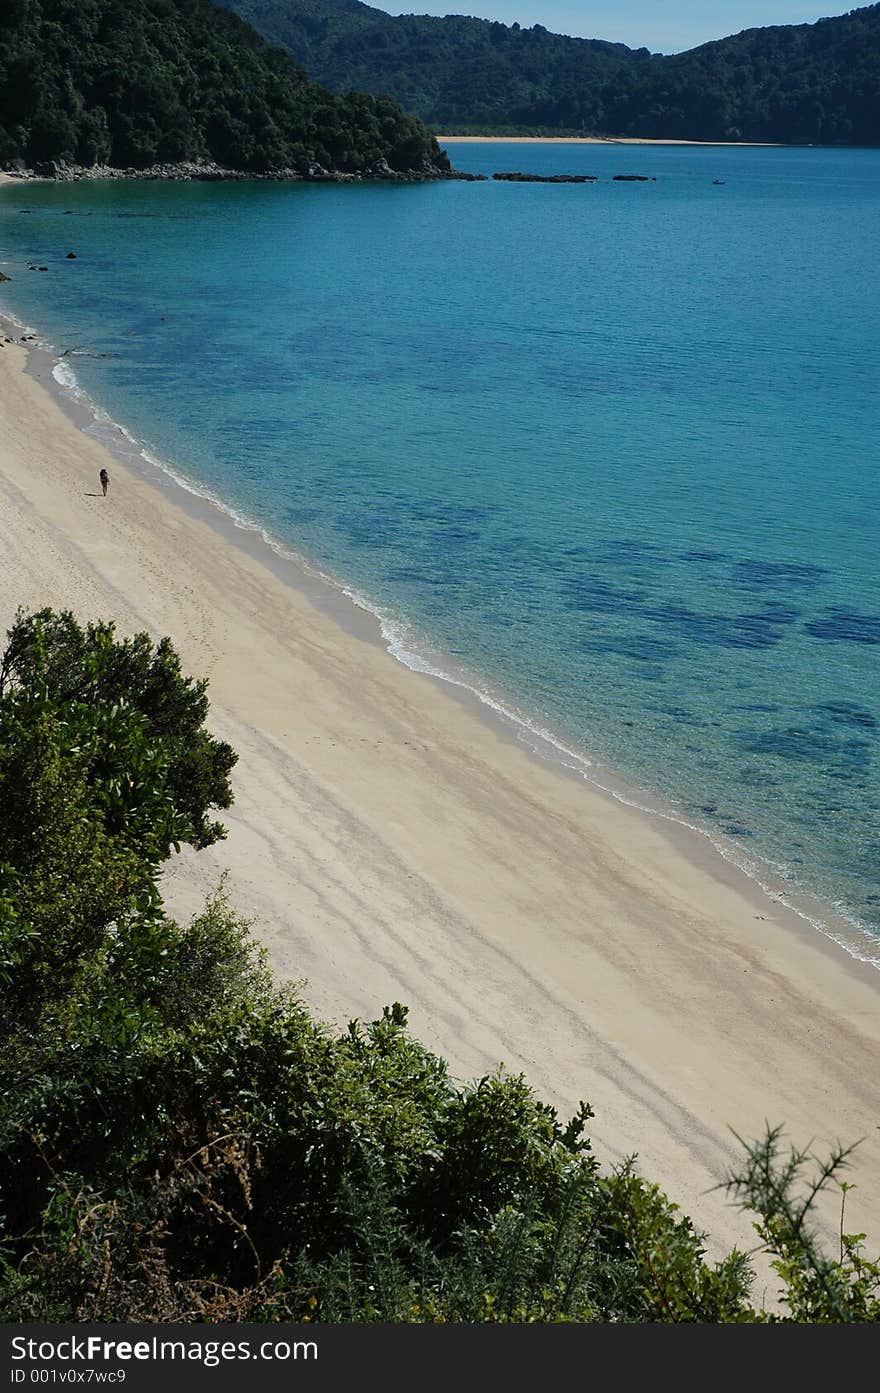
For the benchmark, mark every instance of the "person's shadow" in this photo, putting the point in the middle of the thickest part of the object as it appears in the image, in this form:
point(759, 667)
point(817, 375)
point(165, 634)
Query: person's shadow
point(93, 495)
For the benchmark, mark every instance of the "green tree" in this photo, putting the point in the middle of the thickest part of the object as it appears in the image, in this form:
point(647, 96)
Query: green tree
point(53, 662)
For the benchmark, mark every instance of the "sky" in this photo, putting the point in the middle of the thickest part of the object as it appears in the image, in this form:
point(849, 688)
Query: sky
point(664, 26)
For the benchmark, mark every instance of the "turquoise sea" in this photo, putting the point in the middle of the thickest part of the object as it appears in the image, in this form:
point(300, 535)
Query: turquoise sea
point(607, 453)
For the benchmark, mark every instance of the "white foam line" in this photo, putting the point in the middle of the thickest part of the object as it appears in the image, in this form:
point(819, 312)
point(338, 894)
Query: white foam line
point(66, 378)
point(585, 767)
point(543, 743)
point(17, 323)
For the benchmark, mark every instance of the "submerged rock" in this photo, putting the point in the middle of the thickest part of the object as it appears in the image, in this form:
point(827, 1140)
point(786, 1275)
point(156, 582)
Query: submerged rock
point(517, 178)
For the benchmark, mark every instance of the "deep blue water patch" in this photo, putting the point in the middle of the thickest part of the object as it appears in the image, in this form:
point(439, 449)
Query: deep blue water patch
point(761, 574)
point(807, 743)
point(592, 593)
point(772, 614)
point(733, 631)
point(845, 625)
point(848, 713)
point(711, 556)
point(642, 647)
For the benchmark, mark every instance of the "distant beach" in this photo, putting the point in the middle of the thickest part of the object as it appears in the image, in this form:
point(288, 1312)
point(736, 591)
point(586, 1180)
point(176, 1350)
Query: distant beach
point(592, 140)
point(391, 843)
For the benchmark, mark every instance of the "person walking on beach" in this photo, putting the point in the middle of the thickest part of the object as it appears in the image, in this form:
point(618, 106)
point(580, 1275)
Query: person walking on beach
point(105, 479)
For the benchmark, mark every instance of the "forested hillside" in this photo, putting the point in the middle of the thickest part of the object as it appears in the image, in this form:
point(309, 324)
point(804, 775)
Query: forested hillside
point(132, 83)
point(807, 83)
point(800, 84)
point(452, 71)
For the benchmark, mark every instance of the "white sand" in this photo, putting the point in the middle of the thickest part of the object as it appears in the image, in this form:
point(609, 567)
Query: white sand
point(392, 845)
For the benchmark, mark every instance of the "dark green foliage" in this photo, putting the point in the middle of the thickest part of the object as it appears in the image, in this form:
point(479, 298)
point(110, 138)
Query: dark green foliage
point(122, 689)
point(63, 875)
point(450, 71)
point(181, 1140)
point(808, 83)
point(799, 84)
point(105, 766)
point(137, 82)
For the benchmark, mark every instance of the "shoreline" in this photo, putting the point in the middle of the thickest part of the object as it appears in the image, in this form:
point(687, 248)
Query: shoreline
point(707, 847)
point(596, 980)
point(604, 140)
point(54, 172)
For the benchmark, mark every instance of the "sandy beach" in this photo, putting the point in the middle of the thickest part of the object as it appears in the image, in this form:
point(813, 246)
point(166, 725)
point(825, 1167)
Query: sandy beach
point(586, 140)
point(391, 843)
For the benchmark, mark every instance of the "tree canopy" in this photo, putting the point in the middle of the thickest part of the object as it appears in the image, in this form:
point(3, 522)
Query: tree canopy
point(133, 83)
point(805, 83)
point(181, 1140)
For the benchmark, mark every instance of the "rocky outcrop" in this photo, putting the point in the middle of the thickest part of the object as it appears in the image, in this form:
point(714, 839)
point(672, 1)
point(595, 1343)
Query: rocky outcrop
point(516, 178)
point(380, 172)
point(210, 173)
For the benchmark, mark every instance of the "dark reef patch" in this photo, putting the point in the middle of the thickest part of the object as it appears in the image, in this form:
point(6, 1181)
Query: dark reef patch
point(705, 556)
point(644, 648)
point(753, 777)
point(757, 574)
point(773, 613)
point(593, 595)
point(839, 757)
point(634, 554)
point(847, 713)
point(682, 716)
point(754, 629)
point(732, 631)
point(846, 626)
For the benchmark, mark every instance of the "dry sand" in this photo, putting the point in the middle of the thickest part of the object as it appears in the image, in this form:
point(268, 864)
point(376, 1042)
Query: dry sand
point(589, 140)
point(392, 844)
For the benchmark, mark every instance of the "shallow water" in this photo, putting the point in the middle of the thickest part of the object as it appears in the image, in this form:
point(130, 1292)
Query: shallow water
point(608, 451)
